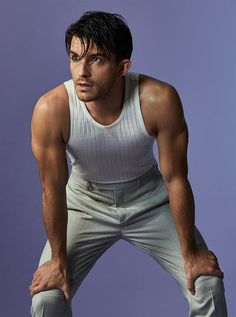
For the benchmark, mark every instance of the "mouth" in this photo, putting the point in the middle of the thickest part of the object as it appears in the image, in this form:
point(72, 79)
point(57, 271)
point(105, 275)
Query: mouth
point(83, 86)
point(82, 82)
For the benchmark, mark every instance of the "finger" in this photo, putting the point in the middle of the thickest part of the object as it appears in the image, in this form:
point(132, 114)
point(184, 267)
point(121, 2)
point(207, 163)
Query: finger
point(67, 295)
point(213, 256)
point(36, 289)
point(216, 272)
point(66, 291)
point(211, 252)
point(219, 273)
point(218, 266)
point(36, 274)
point(36, 280)
point(34, 284)
point(190, 285)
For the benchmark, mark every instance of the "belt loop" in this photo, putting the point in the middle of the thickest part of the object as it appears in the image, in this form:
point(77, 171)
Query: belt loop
point(139, 182)
point(89, 185)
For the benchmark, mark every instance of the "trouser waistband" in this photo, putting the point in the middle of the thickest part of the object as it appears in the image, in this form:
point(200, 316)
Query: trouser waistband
point(153, 172)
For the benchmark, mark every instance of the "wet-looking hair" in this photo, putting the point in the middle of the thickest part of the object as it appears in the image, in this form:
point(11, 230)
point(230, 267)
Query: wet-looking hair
point(108, 31)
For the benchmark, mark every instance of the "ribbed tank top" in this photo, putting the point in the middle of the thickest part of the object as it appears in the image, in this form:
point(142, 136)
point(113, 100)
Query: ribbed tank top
point(113, 153)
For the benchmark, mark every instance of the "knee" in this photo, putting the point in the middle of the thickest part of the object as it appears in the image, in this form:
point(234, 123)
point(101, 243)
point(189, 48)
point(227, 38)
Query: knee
point(49, 303)
point(209, 284)
point(209, 298)
point(41, 302)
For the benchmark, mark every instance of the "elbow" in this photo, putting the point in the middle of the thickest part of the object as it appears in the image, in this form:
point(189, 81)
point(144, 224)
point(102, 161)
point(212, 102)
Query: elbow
point(174, 179)
point(172, 174)
point(49, 188)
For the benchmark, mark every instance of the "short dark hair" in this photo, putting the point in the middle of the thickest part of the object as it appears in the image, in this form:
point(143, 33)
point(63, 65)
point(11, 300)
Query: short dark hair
point(109, 31)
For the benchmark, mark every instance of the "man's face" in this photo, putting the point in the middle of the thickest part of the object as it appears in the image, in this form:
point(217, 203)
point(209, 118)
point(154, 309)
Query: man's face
point(95, 74)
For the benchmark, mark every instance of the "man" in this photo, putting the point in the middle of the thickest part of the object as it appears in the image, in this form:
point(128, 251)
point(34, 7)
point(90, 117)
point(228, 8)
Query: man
point(107, 119)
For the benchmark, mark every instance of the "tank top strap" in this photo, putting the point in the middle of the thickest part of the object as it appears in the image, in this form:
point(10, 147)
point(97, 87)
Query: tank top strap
point(134, 100)
point(74, 112)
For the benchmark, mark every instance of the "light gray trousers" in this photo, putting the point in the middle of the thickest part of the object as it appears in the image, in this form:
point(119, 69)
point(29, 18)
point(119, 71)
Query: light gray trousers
point(138, 212)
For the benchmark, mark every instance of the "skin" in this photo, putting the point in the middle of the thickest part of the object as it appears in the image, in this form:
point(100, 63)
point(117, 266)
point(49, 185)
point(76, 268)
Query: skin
point(163, 117)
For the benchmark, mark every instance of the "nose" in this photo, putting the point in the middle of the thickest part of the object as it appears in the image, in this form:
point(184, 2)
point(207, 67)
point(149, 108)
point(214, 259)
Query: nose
point(83, 69)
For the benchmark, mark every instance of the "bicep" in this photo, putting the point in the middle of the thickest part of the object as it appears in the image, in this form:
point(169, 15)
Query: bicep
point(48, 147)
point(172, 138)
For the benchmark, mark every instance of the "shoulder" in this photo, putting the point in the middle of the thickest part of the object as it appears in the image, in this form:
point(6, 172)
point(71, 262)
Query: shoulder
point(52, 107)
point(51, 112)
point(155, 91)
point(161, 100)
point(54, 101)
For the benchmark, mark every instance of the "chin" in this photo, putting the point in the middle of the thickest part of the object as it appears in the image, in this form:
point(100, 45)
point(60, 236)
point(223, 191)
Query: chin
point(86, 98)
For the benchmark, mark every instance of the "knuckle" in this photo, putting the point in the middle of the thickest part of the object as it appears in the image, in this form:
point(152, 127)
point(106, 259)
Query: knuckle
point(212, 257)
point(216, 265)
point(210, 269)
point(212, 254)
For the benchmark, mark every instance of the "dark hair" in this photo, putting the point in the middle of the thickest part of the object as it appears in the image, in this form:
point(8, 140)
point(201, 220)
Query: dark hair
point(108, 31)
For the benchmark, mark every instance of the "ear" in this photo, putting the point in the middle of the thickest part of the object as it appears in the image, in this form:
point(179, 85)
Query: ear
point(124, 66)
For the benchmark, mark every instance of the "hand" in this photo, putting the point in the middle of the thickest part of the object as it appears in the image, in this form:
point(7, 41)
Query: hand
point(201, 262)
point(52, 274)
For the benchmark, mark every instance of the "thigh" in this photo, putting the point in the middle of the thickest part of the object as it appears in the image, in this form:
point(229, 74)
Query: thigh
point(154, 232)
point(92, 228)
point(87, 239)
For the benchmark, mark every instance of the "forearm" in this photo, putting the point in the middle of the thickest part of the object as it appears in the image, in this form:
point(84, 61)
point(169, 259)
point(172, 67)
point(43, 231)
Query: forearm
point(53, 274)
point(182, 206)
point(55, 220)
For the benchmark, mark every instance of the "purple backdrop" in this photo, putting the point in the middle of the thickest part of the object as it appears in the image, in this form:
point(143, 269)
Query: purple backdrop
point(187, 43)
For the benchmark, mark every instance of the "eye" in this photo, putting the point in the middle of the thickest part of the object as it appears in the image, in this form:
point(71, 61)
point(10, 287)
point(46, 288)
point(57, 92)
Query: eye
point(74, 58)
point(96, 59)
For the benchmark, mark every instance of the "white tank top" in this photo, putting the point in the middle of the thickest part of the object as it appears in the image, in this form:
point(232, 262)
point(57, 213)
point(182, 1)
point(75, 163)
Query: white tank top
point(114, 153)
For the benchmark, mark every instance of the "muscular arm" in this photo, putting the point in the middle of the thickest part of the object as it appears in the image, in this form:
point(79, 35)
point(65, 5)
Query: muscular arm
point(49, 151)
point(172, 141)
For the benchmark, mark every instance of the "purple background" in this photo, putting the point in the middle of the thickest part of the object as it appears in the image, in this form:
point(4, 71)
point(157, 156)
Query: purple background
point(190, 44)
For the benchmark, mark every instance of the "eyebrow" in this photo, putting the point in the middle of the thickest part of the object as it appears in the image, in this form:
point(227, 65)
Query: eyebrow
point(92, 55)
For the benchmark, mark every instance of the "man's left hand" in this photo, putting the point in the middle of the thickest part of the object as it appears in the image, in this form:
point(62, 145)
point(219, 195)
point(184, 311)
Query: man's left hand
point(201, 262)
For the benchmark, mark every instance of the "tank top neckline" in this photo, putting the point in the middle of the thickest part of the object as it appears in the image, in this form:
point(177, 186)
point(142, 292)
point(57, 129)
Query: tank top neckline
point(93, 121)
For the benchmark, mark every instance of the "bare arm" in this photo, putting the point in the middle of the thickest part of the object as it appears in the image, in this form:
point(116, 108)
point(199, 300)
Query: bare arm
point(49, 151)
point(172, 141)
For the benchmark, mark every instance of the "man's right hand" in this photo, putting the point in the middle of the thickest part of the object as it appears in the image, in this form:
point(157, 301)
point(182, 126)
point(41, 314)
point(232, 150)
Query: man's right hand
point(52, 274)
